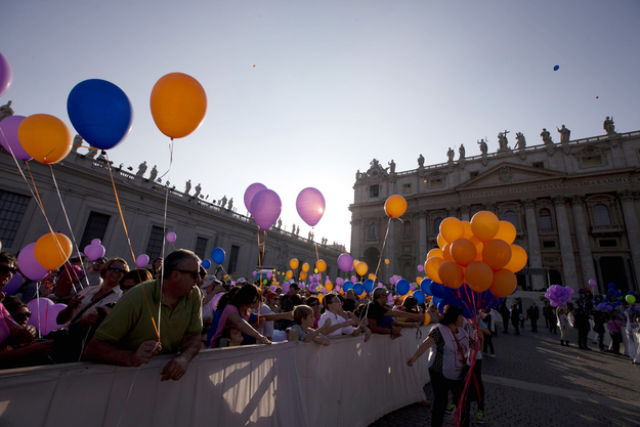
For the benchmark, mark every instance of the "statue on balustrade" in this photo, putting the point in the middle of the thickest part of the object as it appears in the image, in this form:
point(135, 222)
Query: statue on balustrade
point(153, 174)
point(77, 142)
point(609, 126)
point(483, 147)
point(198, 190)
point(142, 168)
point(6, 110)
point(187, 187)
point(279, 223)
point(421, 161)
point(392, 167)
point(462, 152)
point(503, 142)
point(230, 204)
point(564, 134)
point(450, 155)
point(521, 141)
point(546, 137)
point(223, 201)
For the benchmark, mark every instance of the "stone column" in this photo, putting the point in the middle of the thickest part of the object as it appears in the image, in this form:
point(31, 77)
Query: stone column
point(566, 247)
point(582, 236)
point(633, 230)
point(422, 236)
point(464, 213)
point(534, 255)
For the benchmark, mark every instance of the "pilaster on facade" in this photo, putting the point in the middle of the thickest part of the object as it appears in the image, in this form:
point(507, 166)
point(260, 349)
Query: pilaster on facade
point(533, 240)
point(582, 237)
point(566, 246)
point(632, 226)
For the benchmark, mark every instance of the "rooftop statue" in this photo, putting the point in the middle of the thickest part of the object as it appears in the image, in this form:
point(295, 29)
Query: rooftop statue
point(154, 173)
point(421, 161)
point(483, 147)
point(462, 152)
point(187, 187)
point(450, 155)
point(77, 142)
point(546, 137)
point(564, 134)
point(392, 167)
point(522, 142)
point(608, 125)
point(503, 142)
point(6, 110)
point(142, 168)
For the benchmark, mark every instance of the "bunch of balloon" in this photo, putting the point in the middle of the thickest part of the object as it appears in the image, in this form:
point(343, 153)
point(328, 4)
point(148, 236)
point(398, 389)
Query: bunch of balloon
point(479, 254)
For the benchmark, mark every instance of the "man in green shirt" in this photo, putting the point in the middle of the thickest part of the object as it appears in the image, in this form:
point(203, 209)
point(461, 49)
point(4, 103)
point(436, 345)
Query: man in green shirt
point(129, 335)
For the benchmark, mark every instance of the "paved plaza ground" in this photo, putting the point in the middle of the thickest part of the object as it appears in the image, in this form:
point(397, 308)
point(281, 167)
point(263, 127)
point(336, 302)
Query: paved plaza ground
point(533, 381)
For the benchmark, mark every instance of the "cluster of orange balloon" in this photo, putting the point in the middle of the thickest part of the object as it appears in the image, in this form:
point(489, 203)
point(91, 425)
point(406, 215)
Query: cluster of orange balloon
point(479, 253)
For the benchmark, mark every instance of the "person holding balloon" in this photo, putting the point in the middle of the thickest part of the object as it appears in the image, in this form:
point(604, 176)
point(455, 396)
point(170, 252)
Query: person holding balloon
point(381, 317)
point(17, 344)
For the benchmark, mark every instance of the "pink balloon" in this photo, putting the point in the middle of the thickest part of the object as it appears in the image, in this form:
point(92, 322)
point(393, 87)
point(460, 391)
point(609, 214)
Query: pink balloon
point(345, 262)
point(265, 208)
point(41, 311)
point(171, 237)
point(9, 137)
point(339, 281)
point(28, 264)
point(420, 268)
point(5, 74)
point(250, 192)
point(310, 205)
point(96, 242)
point(94, 251)
point(142, 260)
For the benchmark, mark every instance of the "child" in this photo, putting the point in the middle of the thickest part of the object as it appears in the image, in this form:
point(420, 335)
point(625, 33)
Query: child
point(303, 318)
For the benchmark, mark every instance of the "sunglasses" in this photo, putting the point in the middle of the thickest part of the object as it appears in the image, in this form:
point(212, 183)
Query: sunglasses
point(194, 274)
point(120, 269)
point(22, 316)
point(5, 269)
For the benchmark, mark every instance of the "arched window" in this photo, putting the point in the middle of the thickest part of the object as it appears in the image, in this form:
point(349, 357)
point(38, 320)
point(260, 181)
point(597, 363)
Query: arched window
point(372, 233)
point(436, 225)
point(601, 215)
point(545, 220)
point(512, 217)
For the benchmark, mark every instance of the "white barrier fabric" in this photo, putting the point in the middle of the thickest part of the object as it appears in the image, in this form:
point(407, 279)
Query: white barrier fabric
point(348, 383)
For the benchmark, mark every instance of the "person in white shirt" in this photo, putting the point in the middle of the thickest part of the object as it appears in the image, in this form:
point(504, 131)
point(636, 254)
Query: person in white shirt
point(342, 323)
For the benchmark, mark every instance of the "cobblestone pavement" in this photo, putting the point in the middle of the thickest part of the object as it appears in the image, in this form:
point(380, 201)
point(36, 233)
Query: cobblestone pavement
point(534, 381)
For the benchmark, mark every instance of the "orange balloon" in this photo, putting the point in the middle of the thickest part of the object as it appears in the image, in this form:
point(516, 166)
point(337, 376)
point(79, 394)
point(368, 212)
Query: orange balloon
point(451, 229)
point(45, 138)
point(468, 232)
point(441, 241)
point(504, 283)
point(328, 286)
point(289, 274)
point(355, 262)
point(479, 276)
point(479, 246)
point(52, 250)
point(427, 318)
point(362, 268)
point(437, 252)
point(518, 259)
point(305, 267)
point(178, 104)
point(386, 261)
point(293, 263)
point(484, 225)
point(446, 252)
point(431, 267)
point(463, 251)
point(321, 265)
point(496, 253)
point(395, 206)
point(451, 274)
point(302, 276)
point(506, 232)
point(371, 276)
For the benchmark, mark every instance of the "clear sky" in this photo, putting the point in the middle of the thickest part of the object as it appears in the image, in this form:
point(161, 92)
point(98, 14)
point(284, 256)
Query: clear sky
point(335, 83)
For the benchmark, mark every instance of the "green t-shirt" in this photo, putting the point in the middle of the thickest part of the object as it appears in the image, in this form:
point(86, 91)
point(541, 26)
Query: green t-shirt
point(129, 323)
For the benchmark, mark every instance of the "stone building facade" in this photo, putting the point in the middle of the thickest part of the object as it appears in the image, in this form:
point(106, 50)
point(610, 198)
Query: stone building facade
point(87, 192)
point(575, 205)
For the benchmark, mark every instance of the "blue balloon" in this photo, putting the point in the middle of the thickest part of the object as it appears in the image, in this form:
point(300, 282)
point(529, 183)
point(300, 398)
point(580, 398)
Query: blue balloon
point(101, 112)
point(347, 286)
point(402, 287)
point(419, 295)
point(206, 263)
point(437, 290)
point(425, 285)
point(218, 255)
point(556, 67)
point(441, 306)
point(368, 285)
point(358, 288)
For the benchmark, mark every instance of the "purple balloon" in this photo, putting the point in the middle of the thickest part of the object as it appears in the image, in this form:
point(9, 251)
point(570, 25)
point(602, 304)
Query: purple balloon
point(28, 265)
point(592, 283)
point(171, 237)
point(96, 242)
point(43, 315)
point(142, 260)
point(94, 251)
point(9, 137)
point(5, 74)
point(265, 208)
point(250, 193)
point(14, 284)
point(345, 262)
point(310, 205)
point(420, 268)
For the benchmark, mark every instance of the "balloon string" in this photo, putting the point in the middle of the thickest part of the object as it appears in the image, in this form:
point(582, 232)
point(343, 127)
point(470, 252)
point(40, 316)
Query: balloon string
point(164, 229)
point(384, 242)
point(126, 232)
point(38, 308)
point(73, 237)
